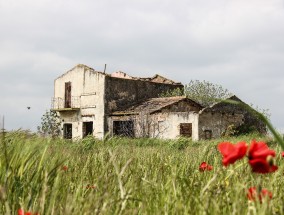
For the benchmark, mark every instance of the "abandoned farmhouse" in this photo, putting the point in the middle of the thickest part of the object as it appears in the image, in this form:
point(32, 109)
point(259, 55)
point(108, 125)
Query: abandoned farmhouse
point(94, 103)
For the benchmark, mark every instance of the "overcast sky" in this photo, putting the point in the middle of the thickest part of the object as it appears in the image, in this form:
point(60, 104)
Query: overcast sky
point(236, 43)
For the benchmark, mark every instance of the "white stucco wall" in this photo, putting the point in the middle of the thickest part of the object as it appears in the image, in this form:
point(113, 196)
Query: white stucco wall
point(87, 86)
point(170, 125)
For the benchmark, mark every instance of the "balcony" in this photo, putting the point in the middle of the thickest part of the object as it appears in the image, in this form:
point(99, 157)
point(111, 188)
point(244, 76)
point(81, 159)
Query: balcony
point(60, 104)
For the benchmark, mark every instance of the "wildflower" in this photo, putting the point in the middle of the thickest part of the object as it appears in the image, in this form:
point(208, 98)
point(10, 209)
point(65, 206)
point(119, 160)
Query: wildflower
point(21, 212)
point(65, 168)
point(253, 194)
point(261, 158)
point(204, 166)
point(232, 152)
point(91, 186)
point(282, 154)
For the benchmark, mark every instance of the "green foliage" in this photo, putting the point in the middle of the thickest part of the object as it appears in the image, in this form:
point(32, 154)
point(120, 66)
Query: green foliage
point(50, 124)
point(89, 142)
point(205, 92)
point(230, 131)
point(127, 176)
point(172, 93)
point(245, 129)
point(180, 143)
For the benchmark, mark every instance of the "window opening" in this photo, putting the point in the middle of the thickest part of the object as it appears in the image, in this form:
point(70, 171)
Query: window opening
point(123, 128)
point(186, 129)
point(208, 134)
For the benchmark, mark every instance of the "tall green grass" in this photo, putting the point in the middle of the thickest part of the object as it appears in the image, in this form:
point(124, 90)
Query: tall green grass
point(129, 176)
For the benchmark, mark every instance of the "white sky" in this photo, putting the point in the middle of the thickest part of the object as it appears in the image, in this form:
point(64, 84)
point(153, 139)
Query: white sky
point(236, 43)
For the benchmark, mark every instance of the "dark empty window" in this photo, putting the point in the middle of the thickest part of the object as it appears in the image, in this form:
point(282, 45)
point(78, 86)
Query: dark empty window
point(67, 131)
point(87, 128)
point(208, 134)
point(123, 128)
point(185, 129)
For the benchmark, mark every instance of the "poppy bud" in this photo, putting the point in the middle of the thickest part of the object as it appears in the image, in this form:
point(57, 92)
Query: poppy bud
point(2, 193)
point(270, 160)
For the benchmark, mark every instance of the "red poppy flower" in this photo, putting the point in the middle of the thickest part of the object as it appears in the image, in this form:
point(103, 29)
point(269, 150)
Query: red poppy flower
point(260, 158)
point(262, 166)
point(65, 168)
point(282, 154)
point(91, 186)
point(21, 212)
point(253, 194)
point(259, 150)
point(232, 152)
point(204, 166)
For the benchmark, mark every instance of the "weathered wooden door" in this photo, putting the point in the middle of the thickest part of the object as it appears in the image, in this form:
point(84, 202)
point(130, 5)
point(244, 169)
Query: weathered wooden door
point(186, 129)
point(67, 95)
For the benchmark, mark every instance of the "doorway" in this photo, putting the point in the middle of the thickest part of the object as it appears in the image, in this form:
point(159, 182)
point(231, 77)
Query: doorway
point(87, 128)
point(67, 103)
point(67, 131)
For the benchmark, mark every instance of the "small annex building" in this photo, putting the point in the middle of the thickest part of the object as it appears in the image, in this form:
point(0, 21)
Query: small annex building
point(168, 118)
point(90, 102)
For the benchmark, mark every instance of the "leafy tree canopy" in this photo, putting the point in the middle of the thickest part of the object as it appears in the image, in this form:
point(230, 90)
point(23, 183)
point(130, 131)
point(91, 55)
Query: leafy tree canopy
point(50, 124)
point(203, 92)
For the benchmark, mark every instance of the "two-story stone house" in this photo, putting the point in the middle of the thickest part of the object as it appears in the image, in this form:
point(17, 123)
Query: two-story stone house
point(94, 103)
point(84, 98)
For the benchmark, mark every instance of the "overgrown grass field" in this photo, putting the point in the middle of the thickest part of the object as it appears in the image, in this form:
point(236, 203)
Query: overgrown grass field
point(130, 176)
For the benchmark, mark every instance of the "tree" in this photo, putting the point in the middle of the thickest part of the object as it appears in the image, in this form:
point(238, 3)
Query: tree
point(174, 92)
point(50, 124)
point(205, 92)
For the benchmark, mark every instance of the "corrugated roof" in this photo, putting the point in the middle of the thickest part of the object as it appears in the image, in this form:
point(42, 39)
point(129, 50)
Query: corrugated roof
point(153, 104)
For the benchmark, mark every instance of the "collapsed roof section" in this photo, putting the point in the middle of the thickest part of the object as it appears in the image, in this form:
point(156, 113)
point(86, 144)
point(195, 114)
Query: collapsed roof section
point(156, 78)
point(119, 74)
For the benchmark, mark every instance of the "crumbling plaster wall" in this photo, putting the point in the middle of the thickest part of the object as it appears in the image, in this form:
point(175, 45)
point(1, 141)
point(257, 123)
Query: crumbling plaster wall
point(170, 118)
point(88, 86)
point(75, 76)
point(159, 125)
point(217, 122)
point(220, 116)
point(171, 124)
point(164, 123)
